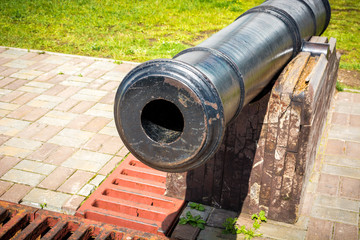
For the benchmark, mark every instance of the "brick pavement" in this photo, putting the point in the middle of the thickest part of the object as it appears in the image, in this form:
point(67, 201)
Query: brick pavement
point(58, 140)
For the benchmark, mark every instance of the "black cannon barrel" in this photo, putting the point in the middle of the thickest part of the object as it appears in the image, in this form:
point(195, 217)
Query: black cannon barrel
point(172, 113)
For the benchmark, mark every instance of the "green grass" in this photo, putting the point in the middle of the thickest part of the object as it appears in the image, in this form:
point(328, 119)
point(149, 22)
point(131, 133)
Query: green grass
point(345, 27)
point(135, 30)
point(140, 30)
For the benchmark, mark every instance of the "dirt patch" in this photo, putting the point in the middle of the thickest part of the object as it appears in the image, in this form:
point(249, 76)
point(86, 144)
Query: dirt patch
point(349, 78)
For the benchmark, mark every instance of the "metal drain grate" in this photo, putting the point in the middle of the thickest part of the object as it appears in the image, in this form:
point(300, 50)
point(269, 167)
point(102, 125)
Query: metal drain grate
point(22, 222)
point(133, 197)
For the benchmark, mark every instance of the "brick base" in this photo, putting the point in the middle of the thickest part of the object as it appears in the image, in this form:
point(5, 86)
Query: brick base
point(269, 150)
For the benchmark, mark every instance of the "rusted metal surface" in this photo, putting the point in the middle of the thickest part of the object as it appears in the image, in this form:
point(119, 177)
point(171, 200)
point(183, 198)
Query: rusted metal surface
point(23, 222)
point(133, 197)
point(172, 113)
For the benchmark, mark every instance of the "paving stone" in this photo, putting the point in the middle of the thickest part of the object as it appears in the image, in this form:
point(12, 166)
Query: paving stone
point(6, 80)
point(14, 151)
point(31, 130)
point(185, 232)
point(110, 165)
point(345, 97)
point(45, 101)
point(27, 74)
point(12, 53)
point(344, 231)
point(76, 182)
point(46, 133)
point(335, 146)
point(96, 124)
point(328, 184)
point(57, 60)
point(71, 138)
point(68, 92)
point(353, 149)
point(82, 107)
point(43, 152)
point(90, 95)
point(55, 90)
point(86, 190)
point(114, 76)
point(112, 145)
point(80, 79)
point(43, 67)
point(58, 79)
point(35, 114)
point(17, 84)
point(9, 106)
point(337, 202)
point(218, 217)
point(24, 98)
point(8, 71)
point(95, 143)
point(57, 118)
point(15, 193)
point(10, 97)
point(35, 167)
point(212, 233)
point(56, 178)
point(101, 110)
point(101, 65)
point(66, 105)
point(61, 154)
point(342, 161)
point(341, 171)
point(31, 89)
point(112, 131)
point(203, 214)
point(123, 152)
point(21, 112)
point(108, 98)
point(281, 231)
point(53, 200)
point(3, 138)
point(333, 214)
point(23, 143)
point(110, 86)
point(11, 127)
point(6, 163)
point(355, 121)
point(73, 204)
point(80, 121)
point(23, 177)
point(19, 63)
point(97, 180)
point(4, 92)
point(350, 187)
point(87, 160)
point(71, 83)
point(4, 186)
point(319, 229)
point(344, 133)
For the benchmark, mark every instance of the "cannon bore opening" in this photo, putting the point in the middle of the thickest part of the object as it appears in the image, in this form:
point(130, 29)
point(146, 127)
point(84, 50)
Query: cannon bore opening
point(162, 121)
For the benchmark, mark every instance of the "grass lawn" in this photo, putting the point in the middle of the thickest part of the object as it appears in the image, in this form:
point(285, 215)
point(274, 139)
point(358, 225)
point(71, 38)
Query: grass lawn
point(140, 30)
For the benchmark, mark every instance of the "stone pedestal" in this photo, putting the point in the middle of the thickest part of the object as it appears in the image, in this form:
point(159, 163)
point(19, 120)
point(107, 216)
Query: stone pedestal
point(269, 150)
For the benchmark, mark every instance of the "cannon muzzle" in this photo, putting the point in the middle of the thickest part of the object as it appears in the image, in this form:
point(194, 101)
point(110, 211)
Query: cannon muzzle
point(172, 113)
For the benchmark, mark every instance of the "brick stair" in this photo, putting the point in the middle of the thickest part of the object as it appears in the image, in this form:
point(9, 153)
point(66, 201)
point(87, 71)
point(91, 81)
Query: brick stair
point(133, 197)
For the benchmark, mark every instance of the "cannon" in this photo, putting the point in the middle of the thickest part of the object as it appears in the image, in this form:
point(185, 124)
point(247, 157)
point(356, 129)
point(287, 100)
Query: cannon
point(172, 113)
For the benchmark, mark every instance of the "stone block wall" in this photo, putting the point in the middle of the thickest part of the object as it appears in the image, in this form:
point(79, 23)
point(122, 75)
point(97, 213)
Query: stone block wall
point(269, 150)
